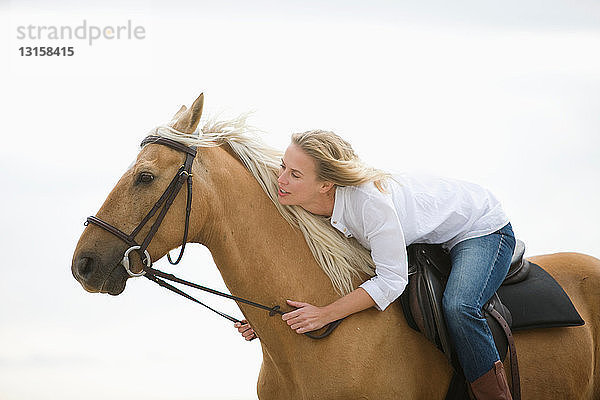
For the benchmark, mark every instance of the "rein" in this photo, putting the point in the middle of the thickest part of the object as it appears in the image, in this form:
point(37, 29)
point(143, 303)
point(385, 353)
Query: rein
point(165, 201)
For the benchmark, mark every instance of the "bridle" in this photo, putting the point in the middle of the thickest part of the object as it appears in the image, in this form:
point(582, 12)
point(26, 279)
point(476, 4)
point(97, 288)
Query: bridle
point(165, 201)
point(184, 173)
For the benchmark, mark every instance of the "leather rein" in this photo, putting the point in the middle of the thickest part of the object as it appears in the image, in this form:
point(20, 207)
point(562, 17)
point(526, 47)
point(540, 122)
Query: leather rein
point(184, 174)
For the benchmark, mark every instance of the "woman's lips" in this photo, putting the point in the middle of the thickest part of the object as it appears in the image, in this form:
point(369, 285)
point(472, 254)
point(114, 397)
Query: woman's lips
point(280, 192)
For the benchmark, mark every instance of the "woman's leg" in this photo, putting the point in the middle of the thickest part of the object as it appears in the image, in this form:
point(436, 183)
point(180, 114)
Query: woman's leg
point(479, 265)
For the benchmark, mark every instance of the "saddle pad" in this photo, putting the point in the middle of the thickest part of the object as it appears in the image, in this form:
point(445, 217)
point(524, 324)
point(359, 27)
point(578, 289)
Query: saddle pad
point(538, 302)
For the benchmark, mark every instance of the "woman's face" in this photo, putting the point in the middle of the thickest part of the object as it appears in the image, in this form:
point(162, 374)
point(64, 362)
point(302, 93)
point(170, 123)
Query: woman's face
point(298, 183)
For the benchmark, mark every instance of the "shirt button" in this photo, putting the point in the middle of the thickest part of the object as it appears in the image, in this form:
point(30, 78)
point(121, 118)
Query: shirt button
point(344, 229)
point(335, 222)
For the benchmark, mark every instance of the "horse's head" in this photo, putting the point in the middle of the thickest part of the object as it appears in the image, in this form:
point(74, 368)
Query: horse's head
point(97, 259)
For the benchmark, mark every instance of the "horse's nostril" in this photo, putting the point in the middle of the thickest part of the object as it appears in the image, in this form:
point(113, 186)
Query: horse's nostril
point(85, 267)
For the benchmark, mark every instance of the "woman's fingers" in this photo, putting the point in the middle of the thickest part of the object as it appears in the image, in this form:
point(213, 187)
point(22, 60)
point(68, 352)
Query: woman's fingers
point(303, 327)
point(240, 323)
point(249, 333)
point(245, 329)
point(297, 304)
point(291, 314)
point(294, 313)
point(293, 319)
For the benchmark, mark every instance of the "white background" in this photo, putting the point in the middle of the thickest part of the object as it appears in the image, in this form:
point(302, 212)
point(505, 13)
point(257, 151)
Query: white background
point(505, 94)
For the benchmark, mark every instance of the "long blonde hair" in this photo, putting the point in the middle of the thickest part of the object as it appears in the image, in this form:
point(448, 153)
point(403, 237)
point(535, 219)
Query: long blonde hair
point(343, 260)
point(336, 161)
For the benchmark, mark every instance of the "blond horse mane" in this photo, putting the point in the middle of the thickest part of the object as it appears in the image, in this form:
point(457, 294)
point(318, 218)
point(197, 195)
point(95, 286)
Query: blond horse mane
point(342, 259)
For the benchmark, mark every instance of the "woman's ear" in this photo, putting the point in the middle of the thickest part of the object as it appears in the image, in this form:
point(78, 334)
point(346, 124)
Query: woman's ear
point(326, 186)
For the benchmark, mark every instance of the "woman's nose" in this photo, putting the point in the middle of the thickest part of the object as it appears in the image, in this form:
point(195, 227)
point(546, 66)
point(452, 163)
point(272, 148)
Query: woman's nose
point(281, 179)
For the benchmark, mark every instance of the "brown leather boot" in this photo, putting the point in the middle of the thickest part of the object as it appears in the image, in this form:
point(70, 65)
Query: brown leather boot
point(492, 385)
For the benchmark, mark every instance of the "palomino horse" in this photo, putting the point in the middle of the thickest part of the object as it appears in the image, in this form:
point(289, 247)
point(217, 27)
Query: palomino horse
point(372, 354)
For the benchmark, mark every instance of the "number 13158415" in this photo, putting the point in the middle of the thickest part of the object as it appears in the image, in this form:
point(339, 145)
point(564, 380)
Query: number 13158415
point(46, 51)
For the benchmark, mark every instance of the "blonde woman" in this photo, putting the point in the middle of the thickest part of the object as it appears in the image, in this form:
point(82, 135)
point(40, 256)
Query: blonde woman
point(321, 173)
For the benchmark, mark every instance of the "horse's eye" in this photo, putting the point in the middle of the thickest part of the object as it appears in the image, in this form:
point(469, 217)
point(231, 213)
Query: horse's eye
point(146, 177)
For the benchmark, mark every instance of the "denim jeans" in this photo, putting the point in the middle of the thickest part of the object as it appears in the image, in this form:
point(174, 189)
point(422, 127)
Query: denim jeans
point(479, 265)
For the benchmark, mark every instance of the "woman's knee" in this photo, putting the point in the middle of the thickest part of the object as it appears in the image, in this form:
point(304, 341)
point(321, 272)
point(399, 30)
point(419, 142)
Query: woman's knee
point(456, 309)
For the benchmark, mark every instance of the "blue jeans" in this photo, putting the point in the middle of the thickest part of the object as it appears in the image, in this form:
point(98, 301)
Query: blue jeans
point(479, 265)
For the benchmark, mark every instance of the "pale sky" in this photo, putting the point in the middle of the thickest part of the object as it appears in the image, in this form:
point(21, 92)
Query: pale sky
point(505, 95)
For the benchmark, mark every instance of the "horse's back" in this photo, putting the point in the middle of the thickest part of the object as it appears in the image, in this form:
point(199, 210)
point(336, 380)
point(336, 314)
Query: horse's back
point(562, 362)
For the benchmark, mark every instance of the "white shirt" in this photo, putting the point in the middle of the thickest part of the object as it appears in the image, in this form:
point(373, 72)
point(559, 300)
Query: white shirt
point(415, 209)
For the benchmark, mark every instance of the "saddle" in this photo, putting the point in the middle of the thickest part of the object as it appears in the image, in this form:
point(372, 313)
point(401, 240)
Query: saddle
point(528, 298)
point(429, 268)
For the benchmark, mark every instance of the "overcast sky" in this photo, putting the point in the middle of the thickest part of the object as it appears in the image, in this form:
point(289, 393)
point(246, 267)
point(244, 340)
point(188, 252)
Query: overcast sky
point(505, 94)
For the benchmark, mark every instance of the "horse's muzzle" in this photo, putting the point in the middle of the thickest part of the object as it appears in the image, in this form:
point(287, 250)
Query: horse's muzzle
point(89, 270)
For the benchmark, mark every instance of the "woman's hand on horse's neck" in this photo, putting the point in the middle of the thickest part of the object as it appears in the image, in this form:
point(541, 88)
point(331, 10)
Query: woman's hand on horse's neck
point(308, 318)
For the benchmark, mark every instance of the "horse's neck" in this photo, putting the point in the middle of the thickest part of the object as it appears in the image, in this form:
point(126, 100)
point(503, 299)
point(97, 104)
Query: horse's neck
point(260, 256)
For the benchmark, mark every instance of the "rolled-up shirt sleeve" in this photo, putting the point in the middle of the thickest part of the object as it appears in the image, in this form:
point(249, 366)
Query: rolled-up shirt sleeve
point(388, 249)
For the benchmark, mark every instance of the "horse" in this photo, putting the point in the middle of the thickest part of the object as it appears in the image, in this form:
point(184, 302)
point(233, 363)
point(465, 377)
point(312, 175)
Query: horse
point(261, 256)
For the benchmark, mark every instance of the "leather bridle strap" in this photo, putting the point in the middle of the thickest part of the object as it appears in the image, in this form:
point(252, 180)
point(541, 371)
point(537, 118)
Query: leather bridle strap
point(165, 201)
point(188, 210)
point(155, 275)
point(108, 227)
point(184, 173)
point(172, 288)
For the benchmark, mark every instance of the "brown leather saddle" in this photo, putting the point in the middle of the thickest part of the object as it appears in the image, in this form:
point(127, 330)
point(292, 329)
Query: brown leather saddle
point(429, 268)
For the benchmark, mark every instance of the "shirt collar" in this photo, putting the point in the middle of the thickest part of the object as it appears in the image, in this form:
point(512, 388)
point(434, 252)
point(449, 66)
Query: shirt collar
point(338, 208)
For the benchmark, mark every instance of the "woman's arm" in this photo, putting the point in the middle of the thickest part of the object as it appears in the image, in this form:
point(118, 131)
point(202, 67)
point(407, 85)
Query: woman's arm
point(388, 249)
point(309, 318)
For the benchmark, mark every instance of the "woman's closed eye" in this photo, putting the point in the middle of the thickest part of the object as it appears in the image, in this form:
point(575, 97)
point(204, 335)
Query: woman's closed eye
point(294, 174)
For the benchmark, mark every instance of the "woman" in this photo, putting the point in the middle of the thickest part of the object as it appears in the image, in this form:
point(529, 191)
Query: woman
point(321, 173)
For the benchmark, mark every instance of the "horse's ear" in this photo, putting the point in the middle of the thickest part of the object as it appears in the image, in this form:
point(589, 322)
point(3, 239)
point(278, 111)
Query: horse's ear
point(188, 119)
point(178, 113)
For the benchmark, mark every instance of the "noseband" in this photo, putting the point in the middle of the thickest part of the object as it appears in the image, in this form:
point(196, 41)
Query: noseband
point(165, 201)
